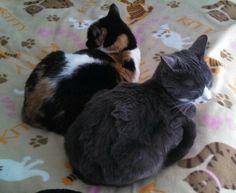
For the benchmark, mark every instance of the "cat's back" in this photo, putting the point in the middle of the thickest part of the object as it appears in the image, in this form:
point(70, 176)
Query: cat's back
point(62, 83)
point(126, 107)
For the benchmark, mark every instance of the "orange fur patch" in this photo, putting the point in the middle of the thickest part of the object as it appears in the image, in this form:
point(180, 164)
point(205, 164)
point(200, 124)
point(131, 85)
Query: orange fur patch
point(119, 60)
point(35, 99)
point(120, 43)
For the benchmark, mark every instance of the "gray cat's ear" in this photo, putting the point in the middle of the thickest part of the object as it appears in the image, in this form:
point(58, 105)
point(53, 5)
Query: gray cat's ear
point(199, 46)
point(113, 11)
point(170, 60)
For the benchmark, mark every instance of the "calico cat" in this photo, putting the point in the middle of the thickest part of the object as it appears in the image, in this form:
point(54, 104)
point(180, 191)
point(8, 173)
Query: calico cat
point(130, 132)
point(61, 84)
point(220, 171)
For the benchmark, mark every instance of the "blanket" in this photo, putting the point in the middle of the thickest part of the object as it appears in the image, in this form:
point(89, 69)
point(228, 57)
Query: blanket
point(32, 160)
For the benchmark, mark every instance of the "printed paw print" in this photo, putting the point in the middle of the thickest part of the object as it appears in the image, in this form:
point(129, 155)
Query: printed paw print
point(38, 141)
point(3, 78)
point(173, 4)
point(53, 18)
point(105, 7)
point(223, 100)
point(226, 55)
point(28, 43)
point(157, 56)
point(4, 40)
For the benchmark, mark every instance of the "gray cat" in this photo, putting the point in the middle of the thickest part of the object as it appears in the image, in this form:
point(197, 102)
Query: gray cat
point(132, 131)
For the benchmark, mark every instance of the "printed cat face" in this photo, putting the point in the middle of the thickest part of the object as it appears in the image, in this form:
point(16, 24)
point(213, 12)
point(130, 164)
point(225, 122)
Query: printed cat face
point(185, 75)
point(84, 24)
point(110, 33)
point(164, 32)
point(200, 181)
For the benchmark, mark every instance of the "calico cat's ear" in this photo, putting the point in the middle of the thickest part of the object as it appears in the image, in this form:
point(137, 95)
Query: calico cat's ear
point(113, 11)
point(171, 61)
point(199, 46)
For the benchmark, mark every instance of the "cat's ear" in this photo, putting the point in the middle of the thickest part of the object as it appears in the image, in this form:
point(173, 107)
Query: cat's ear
point(170, 61)
point(199, 46)
point(113, 11)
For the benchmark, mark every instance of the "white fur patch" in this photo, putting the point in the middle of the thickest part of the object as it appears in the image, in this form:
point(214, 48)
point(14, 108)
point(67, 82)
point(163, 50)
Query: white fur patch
point(205, 96)
point(73, 61)
point(76, 60)
point(136, 56)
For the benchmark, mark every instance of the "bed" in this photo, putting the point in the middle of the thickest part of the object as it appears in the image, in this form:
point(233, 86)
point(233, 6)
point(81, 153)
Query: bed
point(33, 160)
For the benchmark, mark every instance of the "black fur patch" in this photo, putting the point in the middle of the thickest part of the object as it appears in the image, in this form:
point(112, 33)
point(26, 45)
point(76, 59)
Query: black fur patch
point(72, 94)
point(129, 65)
point(115, 26)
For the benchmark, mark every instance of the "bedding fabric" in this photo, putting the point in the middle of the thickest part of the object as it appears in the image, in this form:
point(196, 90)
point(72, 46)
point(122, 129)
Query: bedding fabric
point(32, 160)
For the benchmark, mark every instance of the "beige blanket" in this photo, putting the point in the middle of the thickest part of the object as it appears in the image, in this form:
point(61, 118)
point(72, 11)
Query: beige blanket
point(32, 160)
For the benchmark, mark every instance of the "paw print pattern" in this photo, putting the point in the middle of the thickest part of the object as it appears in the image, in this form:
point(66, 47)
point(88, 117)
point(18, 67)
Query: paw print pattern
point(3, 78)
point(105, 7)
point(157, 56)
point(223, 100)
point(173, 4)
point(28, 43)
point(226, 55)
point(38, 141)
point(4, 40)
point(53, 18)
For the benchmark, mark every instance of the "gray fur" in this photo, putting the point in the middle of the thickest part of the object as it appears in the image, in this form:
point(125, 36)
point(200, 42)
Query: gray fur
point(132, 131)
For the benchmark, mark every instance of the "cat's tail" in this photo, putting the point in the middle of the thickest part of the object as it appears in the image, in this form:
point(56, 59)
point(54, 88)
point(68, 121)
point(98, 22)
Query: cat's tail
point(208, 150)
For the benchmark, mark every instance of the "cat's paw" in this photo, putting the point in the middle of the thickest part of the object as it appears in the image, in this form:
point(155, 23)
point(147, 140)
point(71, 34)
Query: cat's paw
point(53, 18)
point(4, 40)
point(173, 4)
point(226, 55)
point(3, 78)
point(38, 141)
point(28, 43)
point(223, 100)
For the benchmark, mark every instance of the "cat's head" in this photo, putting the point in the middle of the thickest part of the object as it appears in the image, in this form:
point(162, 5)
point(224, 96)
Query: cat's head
point(201, 181)
point(110, 33)
point(185, 75)
point(84, 24)
point(164, 32)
